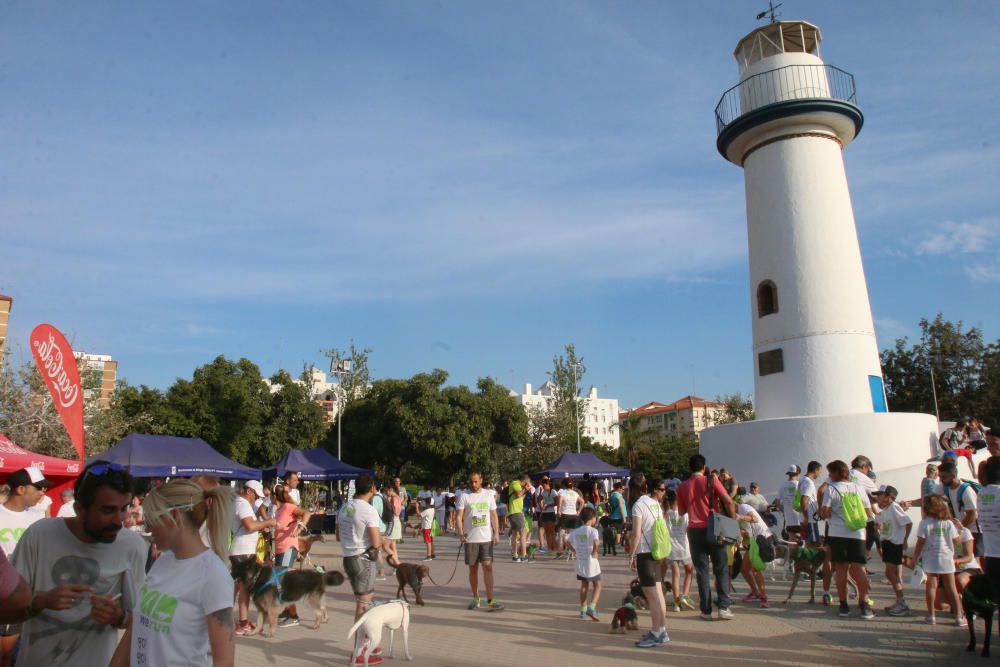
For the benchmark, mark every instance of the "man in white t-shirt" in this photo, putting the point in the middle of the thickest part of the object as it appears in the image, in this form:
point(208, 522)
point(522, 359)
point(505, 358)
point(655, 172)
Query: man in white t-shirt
point(847, 545)
point(785, 498)
point(862, 475)
point(85, 573)
point(988, 506)
point(360, 541)
point(479, 529)
point(244, 546)
point(292, 486)
point(962, 499)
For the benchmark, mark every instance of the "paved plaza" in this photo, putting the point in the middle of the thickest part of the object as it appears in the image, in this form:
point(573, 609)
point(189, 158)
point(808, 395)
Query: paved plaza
point(541, 626)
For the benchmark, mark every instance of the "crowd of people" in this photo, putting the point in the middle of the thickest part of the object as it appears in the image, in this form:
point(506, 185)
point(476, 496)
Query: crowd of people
point(158, 566)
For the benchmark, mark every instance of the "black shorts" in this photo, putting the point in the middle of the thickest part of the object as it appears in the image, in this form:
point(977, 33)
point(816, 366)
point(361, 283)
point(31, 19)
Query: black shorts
point(648, 569)
point(548, 517)
point(569, 522)
point(871, 535)
point(846, 550)
point(892, 554)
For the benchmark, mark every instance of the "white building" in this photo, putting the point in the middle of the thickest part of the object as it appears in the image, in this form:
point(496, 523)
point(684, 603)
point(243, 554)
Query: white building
point(600, 415)
point(817, 380)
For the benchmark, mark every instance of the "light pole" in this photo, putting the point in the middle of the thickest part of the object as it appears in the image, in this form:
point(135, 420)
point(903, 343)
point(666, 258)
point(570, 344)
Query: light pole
point(340, 368)
point(576, 407)
point(937, 413)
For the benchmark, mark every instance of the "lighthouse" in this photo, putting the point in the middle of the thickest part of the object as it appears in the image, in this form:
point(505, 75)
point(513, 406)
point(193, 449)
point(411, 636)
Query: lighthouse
point(818, 385)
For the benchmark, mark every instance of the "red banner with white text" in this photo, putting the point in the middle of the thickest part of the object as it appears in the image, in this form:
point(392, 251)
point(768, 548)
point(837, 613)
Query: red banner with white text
point(57, 365)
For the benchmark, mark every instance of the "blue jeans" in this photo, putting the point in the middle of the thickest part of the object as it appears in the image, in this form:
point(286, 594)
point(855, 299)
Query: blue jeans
point(701, 552)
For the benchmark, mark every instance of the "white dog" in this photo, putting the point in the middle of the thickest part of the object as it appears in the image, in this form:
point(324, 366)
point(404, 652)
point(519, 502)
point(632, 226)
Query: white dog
point(394, 614)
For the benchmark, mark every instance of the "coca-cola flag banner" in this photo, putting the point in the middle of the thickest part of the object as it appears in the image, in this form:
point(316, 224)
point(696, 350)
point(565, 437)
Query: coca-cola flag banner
point(57, 365)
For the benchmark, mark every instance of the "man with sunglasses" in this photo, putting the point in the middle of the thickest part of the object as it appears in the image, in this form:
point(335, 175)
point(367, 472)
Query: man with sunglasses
point(85, 573)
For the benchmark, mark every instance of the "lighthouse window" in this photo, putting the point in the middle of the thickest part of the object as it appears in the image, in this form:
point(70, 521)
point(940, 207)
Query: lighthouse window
point(770, 362)
point(767, 298)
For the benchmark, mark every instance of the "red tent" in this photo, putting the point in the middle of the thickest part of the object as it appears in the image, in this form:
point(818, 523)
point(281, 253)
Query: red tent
point(61, 471)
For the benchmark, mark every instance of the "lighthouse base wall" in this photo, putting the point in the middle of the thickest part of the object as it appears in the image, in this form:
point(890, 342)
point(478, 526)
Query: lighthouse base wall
point(898, 443)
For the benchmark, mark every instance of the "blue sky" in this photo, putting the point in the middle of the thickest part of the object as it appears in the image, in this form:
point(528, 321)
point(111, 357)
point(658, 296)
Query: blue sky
point(462, 185)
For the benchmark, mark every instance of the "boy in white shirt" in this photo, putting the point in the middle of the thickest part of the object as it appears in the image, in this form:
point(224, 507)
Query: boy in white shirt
point(584, 541)
point(894, 528)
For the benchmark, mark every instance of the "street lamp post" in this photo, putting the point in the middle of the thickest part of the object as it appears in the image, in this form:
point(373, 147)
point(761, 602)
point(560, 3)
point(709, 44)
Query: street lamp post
point(340, 368)
point(576, 408)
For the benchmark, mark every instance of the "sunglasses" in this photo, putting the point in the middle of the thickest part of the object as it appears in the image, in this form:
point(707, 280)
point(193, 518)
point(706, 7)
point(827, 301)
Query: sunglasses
point(102, 469)
point(660, 488)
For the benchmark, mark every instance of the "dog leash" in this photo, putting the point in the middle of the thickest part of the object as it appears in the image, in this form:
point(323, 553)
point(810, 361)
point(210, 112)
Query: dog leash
point(453, 572)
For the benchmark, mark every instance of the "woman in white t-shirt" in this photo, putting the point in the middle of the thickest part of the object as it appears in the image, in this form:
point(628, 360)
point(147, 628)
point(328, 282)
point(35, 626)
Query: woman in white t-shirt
point(184, 614)
point(645, 511)
point(937, 538)
point(569, 502)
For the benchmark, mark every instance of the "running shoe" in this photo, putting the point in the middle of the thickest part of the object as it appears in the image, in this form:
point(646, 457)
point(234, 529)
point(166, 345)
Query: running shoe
point(706, 617)
point(244, 628)
point(646, 637)
point(930, 620)
point(763, 602)
point(493, 605)
point(592, 612)
point(427, 558)
point(583, 614)
point(844, 609)
point(372, 659)
point(961, 622)
point(726, 615)
point(898, 609)
point(654, 640)
point(676, 607)
point(827, 599)
point(750, 598)
point(474, 604)
point(686, 603)
point(289, 622)
point(866, 611)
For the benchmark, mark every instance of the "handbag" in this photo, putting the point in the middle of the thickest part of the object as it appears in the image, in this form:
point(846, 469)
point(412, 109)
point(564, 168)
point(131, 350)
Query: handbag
point(721, 528)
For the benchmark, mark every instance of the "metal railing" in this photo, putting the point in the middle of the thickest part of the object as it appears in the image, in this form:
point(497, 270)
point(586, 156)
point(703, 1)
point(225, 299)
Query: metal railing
point(792, 82)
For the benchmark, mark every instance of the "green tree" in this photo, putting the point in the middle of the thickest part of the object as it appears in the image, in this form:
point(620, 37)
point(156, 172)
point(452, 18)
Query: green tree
point(353, 384)
point(736, 409)
point(294, 420)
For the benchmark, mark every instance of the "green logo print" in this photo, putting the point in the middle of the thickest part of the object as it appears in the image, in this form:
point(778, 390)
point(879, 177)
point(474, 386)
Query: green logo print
point(157, 610)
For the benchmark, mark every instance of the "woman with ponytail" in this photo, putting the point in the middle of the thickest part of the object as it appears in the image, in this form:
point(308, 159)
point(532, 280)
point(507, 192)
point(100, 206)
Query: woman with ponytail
point(184, 615)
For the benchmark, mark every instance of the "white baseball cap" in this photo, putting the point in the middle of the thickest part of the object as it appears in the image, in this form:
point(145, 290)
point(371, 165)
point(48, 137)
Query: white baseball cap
point(256, 486)
point(792, 470)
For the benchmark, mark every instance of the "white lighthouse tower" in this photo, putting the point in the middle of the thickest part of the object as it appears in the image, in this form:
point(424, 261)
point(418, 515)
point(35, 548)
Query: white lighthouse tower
point(817, 377)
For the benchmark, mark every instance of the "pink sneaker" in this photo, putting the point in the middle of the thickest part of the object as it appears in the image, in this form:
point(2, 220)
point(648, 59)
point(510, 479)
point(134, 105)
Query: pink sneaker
point(763, 602)
point(750, 598)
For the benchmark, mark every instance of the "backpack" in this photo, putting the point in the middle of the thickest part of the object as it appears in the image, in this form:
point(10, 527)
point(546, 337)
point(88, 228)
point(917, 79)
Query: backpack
point(797, 500)
point(659, 547)
point(853, 511)
point(387, 515)
point(976, 486)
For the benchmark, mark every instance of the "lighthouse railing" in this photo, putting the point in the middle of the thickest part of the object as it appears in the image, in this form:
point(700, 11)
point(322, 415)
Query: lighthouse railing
point(792, 82)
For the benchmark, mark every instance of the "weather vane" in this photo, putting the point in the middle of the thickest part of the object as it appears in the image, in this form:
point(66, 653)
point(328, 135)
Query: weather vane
point(770, 11)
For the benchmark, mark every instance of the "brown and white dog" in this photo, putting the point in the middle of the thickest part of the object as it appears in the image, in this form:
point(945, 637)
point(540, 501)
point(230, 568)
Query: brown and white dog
point(271, 594)
point(305, 546)
point(412, 575)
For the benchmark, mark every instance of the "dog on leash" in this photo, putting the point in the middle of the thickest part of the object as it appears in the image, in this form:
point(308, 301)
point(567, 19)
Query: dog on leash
point(624, 619)
point(305, 546)
point(412, 575)
point(977, 600)
point(367, 631)
point(809, 561)
point(272, 591)
point(637, 597)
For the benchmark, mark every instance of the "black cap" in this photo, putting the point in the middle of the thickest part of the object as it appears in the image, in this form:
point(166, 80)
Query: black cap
point(25, 476)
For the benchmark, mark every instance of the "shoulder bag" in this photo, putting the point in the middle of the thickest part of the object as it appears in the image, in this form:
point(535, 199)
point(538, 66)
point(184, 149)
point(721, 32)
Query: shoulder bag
point(721, 528)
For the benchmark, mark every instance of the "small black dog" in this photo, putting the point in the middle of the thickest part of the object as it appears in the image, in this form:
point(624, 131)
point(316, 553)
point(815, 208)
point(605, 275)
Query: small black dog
point(977, 599)
point(272, 594)
point(607, 537)
point(636, 596)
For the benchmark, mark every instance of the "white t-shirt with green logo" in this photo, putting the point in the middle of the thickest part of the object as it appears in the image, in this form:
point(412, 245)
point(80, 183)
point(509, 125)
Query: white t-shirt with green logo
point(567, 502)
point(354, 521)
point(988, 504)
point(583, 540)
point(476, 520)
point(169, 627)
point(940, 536)
point(12, 526)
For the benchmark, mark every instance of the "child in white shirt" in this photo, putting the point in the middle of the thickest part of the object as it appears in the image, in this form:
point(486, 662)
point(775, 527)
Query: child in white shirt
point(937, 537)
point(680, 554)
point(584, 542)
point(894, 528)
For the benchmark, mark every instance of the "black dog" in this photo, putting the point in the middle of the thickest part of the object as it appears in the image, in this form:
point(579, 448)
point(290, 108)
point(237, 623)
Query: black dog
point(977, 600)
point(636, 596)
point(607, 537)
point(271, 593)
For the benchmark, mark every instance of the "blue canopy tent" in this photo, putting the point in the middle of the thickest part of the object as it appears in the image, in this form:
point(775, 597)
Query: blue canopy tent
point(170, 456)
point(314, 465)
point(575, 466)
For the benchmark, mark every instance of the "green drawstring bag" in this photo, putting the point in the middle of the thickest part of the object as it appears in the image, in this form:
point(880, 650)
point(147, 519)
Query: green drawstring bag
point(659, 547)
point(753, 550)
point(527, 523)
point(855, 516)
point(435, 528)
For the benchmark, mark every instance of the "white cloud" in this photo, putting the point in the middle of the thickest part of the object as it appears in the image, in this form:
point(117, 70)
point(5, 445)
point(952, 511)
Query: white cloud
point(983, 274)
point(965, 237)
